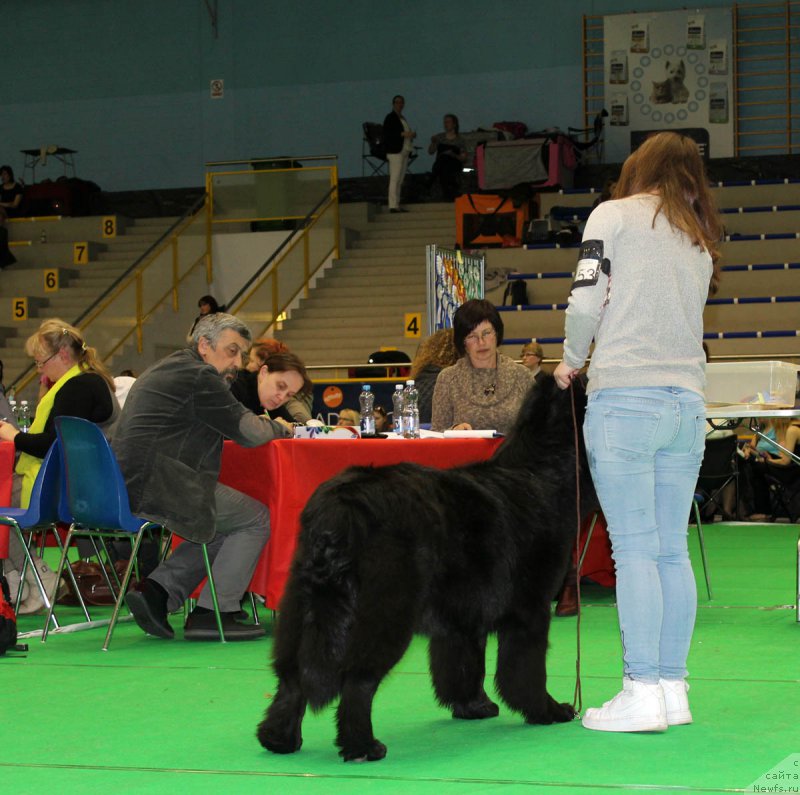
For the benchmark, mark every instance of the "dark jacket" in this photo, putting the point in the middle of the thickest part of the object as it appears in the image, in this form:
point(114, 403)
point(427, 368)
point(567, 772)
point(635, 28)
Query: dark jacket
point(393, 133)
point(168, 441)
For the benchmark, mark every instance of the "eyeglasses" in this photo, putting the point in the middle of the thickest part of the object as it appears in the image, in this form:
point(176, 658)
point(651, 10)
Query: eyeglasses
point(484, 335)
point(41, 364)
point(526, 355)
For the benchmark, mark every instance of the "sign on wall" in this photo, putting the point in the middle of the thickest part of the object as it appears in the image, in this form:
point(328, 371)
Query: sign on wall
point(669, 70)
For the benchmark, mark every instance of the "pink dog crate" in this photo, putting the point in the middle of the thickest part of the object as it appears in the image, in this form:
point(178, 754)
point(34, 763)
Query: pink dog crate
point(545, 162)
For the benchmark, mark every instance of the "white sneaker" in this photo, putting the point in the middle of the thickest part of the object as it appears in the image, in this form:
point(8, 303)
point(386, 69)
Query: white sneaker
point(677, 701)
point(639, 707)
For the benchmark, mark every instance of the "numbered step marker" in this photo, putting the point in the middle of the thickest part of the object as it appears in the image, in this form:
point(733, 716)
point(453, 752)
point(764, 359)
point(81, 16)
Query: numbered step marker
point(80, 253)
point(51, 280)
point(413, 324)
point(109, 226)
point(19, 308)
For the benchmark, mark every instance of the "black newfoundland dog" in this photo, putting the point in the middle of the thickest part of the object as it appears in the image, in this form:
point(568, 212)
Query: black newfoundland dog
point(455, 554)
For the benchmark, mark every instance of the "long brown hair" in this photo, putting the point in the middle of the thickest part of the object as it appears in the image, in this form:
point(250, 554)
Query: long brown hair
point(437, 350)
point(671, 165)
point(55, 334)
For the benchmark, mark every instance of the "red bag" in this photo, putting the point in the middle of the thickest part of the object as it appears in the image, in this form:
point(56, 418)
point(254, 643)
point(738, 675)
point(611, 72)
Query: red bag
point(8, 619)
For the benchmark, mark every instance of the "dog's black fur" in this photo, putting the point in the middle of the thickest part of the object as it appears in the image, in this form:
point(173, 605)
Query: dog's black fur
point(455, 554)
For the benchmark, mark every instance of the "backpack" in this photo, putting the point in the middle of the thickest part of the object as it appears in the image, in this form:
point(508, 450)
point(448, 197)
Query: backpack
point(517, 291)
point(8, 619)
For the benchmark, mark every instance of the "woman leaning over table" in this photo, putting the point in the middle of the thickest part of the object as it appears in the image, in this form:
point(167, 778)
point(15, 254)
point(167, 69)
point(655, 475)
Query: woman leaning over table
point(79, 386)
point(484, 389)
point(644, 270)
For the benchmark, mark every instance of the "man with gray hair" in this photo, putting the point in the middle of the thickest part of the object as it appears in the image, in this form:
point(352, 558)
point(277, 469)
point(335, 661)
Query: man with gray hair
point(168, 442)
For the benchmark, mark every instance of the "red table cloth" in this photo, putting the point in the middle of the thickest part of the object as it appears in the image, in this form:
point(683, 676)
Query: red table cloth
point(283, 475)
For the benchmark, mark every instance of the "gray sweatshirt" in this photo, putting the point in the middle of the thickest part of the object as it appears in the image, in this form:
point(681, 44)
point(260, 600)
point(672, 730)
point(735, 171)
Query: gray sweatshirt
point(639, 291)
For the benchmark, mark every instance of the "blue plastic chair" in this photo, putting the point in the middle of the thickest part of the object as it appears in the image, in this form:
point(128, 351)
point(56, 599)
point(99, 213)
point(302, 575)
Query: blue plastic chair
point(98, 503)
point(42, 513)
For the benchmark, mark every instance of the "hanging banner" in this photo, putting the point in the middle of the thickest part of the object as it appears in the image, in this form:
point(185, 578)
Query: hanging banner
point(669, 71)
point(453, 277)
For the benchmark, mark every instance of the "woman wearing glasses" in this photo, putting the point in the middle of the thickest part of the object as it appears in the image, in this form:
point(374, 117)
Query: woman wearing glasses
point(77, 386)
point(484, 389)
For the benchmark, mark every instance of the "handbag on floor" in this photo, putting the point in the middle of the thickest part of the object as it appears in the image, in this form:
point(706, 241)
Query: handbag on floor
point(92, 584)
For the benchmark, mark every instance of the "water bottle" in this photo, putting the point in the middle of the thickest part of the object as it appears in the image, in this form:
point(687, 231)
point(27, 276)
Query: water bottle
point(397, 409)
point(14, 410)
point(24, 419)
point(366, 401)
point(410, 411)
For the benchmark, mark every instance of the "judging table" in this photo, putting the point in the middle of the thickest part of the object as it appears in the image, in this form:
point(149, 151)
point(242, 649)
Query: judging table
point(283, 474)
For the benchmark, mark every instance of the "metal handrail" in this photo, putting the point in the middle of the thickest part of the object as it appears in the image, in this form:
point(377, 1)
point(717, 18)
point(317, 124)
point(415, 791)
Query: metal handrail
point(270, 160)
point(151, 253)
point(285, 244)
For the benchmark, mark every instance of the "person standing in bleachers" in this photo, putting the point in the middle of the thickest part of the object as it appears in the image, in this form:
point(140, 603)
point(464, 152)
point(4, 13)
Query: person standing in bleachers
point(398, 137)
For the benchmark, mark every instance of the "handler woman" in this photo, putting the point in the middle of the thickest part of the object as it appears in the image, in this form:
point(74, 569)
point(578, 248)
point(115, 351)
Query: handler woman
point(644, 270)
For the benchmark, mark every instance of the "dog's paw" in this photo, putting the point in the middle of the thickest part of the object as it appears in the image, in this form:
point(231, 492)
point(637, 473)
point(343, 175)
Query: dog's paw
point(554, 712)
point(276, 742)
point(561, 713)
point(374, 752)
point(476, 710)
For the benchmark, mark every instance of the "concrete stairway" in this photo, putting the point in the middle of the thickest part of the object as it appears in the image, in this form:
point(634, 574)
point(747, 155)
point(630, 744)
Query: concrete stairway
point(79, 285)
point(358, 306)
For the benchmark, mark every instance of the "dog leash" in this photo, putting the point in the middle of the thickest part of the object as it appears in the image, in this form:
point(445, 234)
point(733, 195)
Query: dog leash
point(577, 696)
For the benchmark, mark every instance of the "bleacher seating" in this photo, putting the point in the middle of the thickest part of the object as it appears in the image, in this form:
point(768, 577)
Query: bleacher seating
point(756, 310)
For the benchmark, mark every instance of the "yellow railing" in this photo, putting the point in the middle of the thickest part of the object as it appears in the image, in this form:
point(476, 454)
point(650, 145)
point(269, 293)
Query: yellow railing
point(123, 312)
point(271, 195)
point(286, 276)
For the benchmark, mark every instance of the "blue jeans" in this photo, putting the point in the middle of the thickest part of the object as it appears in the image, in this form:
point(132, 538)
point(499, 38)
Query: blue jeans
point(645, 447)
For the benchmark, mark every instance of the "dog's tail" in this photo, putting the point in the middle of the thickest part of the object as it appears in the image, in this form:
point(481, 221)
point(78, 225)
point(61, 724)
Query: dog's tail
point(323, 592)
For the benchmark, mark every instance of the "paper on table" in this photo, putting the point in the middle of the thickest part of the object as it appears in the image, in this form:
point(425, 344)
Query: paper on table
point(469, 434)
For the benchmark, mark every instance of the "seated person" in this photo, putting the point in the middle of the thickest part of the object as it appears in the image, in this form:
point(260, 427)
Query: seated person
point(484, 389)
point(382, 422)
point(349, 417)
point(6, 257)
point(168, 442)
point(761, 456)
point(11, 193)
point(451, 153)
point(268, 390)
point(79, 386)
point(296, 409)
point(434, 354)
point(532, 355)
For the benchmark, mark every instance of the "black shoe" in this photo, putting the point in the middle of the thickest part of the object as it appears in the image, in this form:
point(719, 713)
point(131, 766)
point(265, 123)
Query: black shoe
point(149, 607)
point(203, 626)
point(395, 210)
